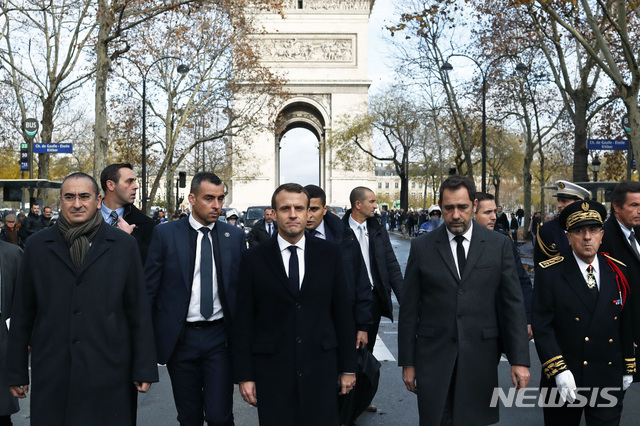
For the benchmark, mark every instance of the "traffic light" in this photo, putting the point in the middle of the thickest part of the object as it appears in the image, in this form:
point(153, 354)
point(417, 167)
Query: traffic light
point(182, 179)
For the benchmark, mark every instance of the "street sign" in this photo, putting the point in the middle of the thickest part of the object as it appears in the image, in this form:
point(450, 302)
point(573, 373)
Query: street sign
point(53, 148)
point(31, 127)
point(24, 166)
point(608, 144)
point(24, 156)
point(625, 123)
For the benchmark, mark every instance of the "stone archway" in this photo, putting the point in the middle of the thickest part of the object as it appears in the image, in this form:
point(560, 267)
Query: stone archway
point(321, 49)
point(300, 113)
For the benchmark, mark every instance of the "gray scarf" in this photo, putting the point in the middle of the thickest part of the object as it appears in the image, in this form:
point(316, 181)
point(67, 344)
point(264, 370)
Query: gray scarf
point(78, 238)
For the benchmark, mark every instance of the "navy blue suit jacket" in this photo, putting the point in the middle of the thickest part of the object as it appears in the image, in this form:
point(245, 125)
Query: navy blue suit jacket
point(168, 276)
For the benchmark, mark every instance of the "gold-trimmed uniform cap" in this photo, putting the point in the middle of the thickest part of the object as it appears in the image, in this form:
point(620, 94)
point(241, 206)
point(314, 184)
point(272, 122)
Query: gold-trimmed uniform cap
point(566, 189)
point(554, 366)
point(582, 213)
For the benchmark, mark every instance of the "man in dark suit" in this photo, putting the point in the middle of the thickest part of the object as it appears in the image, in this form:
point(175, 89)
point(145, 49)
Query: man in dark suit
point(119, 184)
point(10, 258)
point(380, 260)
point(582, 327)
point(485, 215)
point(263, 229)
point(191, 273)
point(329, 227)
point(80, 304)
point(293, 336)
point(620, 241)
point(550, 238)
point(448, 328)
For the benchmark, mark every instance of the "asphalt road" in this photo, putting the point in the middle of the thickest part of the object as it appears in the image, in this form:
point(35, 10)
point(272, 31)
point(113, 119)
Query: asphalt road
point(396, 406)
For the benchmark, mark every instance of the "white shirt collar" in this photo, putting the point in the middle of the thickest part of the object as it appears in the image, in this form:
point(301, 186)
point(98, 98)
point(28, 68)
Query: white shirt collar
point(626, 231)
point(583, 265)
point(284, 244)
point(197, 225)
point(321, 229)
point(466, 235)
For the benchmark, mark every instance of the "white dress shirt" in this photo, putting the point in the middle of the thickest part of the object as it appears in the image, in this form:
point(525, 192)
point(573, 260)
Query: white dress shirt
point(465, 244)
point(321, 233)
point(106, 212)
point(626, 233)
point(286, 255)
point(194, 304)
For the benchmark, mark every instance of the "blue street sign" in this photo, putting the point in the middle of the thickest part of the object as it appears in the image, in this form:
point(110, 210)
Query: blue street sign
point(24, 165)
point(608, 144)
point(52, 148)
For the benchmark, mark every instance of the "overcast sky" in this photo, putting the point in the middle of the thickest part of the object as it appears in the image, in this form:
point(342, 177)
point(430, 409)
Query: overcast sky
point(299, 147)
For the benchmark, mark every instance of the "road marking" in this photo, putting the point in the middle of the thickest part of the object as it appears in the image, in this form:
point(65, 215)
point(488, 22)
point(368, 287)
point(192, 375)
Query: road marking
point(381, 352)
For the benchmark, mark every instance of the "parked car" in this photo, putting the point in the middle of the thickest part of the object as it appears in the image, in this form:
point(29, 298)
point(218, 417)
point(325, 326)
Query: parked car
point(253, 214)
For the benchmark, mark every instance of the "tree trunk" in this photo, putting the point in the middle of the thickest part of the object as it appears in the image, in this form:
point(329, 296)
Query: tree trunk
point(580, 151)
point(526, 179)
point(46, 136)
point(634, 123)
point(101, 138)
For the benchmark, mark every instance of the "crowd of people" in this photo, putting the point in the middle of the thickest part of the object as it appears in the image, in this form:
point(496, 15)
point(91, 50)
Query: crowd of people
point(104, 294)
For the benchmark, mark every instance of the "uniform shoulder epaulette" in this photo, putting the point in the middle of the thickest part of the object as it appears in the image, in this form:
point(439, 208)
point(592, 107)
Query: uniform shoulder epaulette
point(615, 260)
point(550, 262)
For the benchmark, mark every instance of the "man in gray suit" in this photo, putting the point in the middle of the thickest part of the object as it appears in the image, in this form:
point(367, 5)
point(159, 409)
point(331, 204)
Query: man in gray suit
point(457, 278)
point(10, 258)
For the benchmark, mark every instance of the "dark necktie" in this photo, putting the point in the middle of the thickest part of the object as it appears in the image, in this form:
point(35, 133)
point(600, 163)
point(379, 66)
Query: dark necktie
point(206, 274)
point(114, 218)
point(270, 234)
point(632, 241)
point(462, 258)
point(294, 270)
point(591, 281)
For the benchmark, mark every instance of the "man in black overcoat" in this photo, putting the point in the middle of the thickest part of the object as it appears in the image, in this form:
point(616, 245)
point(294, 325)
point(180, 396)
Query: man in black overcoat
point(80, 304)
point(293, 334)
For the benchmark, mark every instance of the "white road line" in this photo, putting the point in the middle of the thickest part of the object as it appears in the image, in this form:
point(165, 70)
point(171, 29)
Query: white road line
point(381, 352)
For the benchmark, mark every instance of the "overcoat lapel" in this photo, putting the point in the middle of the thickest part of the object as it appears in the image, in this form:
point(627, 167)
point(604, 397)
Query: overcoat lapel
point(99, 245)
point(225, 256)
point(575, 280)
point(475, 249)
point(274, 260)
point(444, 248)
point(181, 236)
point(59, 247)
point(608, 289)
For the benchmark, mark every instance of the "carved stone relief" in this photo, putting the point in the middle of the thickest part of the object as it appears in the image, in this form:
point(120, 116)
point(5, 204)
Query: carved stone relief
point(307, 49)
point(329, 4)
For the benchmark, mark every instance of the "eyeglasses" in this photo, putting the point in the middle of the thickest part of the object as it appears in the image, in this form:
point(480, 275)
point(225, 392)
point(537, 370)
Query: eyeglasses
point(70, 198)
point(584, 229)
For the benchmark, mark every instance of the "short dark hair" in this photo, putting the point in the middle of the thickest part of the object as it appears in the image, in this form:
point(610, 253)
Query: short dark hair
point(315, 191)
point(112, 173)
point(203, 176)
point(619, 194)
point(483, 196)
point(358, 193)
point(289, 187)
point(81, 175)
point(267, 208)
point(455, 182)
point(47, 207)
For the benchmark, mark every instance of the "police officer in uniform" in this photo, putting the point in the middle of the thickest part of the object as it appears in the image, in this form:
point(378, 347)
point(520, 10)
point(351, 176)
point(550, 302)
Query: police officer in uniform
point(581, 326)
point(551, 241)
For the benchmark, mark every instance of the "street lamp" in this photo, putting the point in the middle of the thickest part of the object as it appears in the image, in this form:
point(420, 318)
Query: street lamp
point(446, 66)
point(182, 70)
point(595, 164)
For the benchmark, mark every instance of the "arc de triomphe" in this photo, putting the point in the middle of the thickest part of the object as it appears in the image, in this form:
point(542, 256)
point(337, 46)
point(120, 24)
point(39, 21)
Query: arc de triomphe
point(320, 47)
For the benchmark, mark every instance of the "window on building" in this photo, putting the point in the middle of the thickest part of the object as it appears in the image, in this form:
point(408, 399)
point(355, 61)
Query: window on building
point(386, 185)
point(299, 4)
point(420, 185)
point(396, 185)
point(379, 184)
point(413, 185)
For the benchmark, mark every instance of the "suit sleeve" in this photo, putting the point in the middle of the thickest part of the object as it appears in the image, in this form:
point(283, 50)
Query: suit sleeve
point(138, 312)
point(242, 334)
point(153, 265)
point(24, 310)
point(409, 309)
point(525, 282)
point(363, 296)
point(515, 338)
point(543, 318)
point(395, 274)
point(343, 321)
